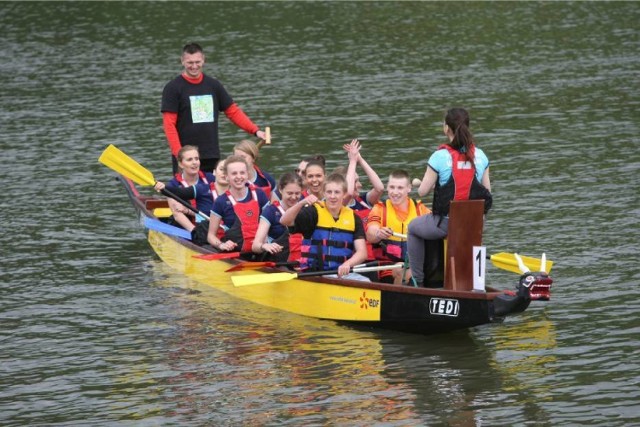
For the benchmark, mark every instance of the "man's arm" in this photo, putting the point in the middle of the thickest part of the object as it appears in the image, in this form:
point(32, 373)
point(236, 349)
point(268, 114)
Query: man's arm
point(169, 124)
point(240, 119)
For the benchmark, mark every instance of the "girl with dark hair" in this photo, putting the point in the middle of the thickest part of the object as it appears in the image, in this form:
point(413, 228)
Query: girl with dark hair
point(313, 179)
point(458, 170)
point(303, 164)
point(272, 238)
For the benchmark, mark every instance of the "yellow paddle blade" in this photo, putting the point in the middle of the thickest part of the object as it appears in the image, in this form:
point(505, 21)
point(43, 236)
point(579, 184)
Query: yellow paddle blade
point(116, 160)
point(256, 279)
point(507, 261)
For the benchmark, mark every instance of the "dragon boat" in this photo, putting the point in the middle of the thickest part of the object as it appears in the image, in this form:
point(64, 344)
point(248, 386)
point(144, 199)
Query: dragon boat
point(455, 301)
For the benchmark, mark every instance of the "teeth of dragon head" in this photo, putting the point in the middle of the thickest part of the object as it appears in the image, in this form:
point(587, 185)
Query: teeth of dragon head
point(523, 268)
point(543, 263)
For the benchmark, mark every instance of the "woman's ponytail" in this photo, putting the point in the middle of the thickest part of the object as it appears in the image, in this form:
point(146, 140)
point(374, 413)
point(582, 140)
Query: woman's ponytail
point(458, 121)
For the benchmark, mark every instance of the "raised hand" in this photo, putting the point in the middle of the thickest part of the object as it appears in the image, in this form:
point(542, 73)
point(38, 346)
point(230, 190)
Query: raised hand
point(353, 149)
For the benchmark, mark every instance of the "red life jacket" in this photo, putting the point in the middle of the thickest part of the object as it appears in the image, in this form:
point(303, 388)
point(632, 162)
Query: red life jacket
point(395, 249)
point(245, 226)
point(295, 246)
point(463, 184)
point(220, 230)
point(364, 216)
point(291, 242)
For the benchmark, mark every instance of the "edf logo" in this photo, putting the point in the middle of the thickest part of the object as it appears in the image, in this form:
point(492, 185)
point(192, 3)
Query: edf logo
point(444, 307)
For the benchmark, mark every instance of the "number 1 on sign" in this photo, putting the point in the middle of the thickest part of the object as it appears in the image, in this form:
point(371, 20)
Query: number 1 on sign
point(479, 267)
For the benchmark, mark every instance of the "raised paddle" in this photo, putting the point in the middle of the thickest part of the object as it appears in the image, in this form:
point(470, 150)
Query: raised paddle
point(154, 224)
point(257, 279)
point(115, 159)
point(508, 261)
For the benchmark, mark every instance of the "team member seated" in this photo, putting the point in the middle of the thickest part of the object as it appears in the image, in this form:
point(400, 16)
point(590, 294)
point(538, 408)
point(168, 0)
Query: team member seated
point(393, 216)
point(314, 176)
point(272, 238)
point(238, 209)
point(199, 194)
point(458, 170)
point(261, 179)
point(357, 199)
point(304, 162)
point(190, 175)
point(334, 237)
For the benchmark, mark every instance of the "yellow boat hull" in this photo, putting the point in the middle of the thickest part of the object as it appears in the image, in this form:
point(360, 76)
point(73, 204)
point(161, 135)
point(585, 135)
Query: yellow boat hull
point(328, 301)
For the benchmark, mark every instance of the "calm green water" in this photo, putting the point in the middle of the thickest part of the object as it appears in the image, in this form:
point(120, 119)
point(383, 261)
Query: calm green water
point(95, 330)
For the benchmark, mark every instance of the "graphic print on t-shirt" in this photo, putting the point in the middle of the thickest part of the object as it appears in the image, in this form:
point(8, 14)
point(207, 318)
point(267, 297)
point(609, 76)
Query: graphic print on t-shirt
point(201, 108)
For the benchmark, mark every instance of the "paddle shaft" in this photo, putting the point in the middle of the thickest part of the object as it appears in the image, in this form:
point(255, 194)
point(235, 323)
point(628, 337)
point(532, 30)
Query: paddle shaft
point(355, 269)
point(117, 160)
point(270, 278)
point(184, 203)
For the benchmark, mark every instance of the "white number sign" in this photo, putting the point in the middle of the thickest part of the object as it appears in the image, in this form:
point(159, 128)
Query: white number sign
point(479, 267)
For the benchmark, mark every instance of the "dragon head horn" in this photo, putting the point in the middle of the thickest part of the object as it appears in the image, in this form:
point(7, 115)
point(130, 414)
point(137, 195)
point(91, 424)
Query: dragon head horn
point(543, 263)
point(523, 268)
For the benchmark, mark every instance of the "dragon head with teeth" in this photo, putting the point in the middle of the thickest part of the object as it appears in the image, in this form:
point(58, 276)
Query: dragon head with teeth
point(537, 283)
point(533, 285)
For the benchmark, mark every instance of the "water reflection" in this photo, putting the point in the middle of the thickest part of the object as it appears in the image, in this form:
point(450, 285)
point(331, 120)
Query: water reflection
point(525, 356)
point(276, 366)
point(527, 349)
point(224, 354)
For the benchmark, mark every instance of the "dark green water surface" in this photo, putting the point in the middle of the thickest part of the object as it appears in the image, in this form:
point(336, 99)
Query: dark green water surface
point(95, 330)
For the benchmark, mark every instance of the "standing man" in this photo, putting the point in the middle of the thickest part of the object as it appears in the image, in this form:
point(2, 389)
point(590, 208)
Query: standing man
point(190, 108)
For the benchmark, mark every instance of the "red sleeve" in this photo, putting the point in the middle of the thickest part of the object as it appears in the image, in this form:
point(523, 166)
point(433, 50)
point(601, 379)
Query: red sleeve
point(240, 119)
point(169, 121)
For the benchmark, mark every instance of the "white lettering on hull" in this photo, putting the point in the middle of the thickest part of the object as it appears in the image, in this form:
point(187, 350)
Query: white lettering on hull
point(444, 307)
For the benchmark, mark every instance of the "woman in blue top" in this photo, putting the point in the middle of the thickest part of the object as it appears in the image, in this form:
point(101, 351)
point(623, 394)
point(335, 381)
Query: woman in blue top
point(272, 238)
point(239, 209)
point(456, 171)
point(190, 176)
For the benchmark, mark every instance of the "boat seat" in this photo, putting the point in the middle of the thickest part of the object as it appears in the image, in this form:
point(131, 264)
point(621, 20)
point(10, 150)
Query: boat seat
point(465, 231)
point(153, 203)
